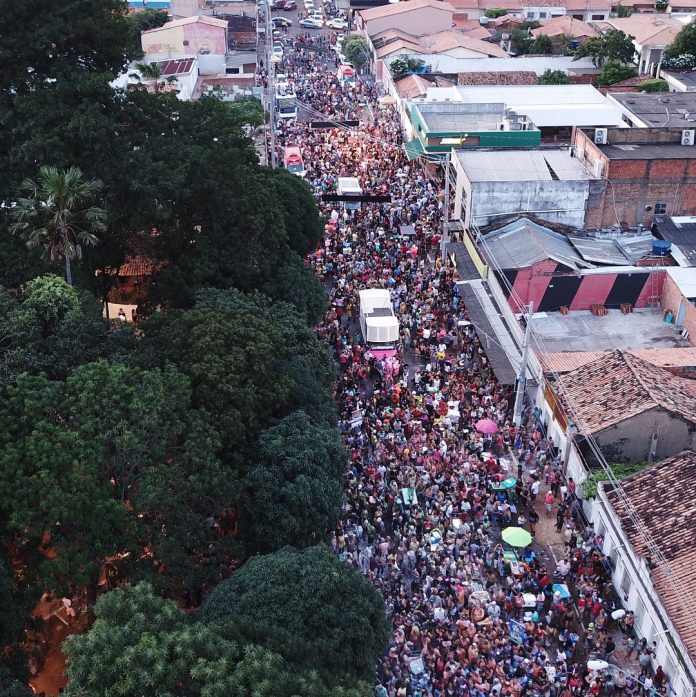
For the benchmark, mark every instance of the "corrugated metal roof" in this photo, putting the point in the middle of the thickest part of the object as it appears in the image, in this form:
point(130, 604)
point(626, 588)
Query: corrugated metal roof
point(602, 251)
point(523, 243)
point(522, 165)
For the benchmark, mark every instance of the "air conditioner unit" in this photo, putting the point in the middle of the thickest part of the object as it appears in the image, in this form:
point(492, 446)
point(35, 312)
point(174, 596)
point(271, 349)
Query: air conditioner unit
point(688, 137)
point(600, 136)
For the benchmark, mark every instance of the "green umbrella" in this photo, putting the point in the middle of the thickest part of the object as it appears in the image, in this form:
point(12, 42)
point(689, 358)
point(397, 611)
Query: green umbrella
point(509, 482)
point(517, 537)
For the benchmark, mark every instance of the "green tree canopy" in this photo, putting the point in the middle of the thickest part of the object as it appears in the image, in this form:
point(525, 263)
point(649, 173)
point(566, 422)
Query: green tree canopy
point(250, 362)
point(295, 484)
point(541, 46)
point(554, 77)
point(613, 72)
point(614, 45)
point(684, 42)
point(309, 607)
point(86, 459)
point(143, 20)
point(61, 40)
point(654, 86)
point(495, 12)
point(354, 48)
point(303, 223)
point(58, 215)
point(143, 643)
point(53, 328)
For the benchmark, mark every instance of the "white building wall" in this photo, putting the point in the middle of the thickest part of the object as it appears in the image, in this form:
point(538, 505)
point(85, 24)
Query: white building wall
point(631, 579)
point(555, 201)
point(447, 63)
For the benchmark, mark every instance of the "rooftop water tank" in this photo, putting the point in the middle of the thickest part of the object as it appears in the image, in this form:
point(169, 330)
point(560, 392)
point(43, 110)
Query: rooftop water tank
point(660, 248)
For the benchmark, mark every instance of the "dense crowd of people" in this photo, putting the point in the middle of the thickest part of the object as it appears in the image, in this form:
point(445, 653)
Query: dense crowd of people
point(428, 494)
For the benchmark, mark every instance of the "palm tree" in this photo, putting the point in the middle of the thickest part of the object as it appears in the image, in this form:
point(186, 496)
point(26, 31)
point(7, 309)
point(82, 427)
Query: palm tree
point(58, 214)
point(153, 71)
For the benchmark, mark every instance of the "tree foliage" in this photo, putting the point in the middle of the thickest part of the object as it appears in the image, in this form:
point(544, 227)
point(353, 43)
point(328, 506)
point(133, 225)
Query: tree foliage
point(294, 486)
point(495, 12)
point(403, 65)
point(554, 77)
point(250, 362)
point(354, 48)
point(141, 642)
point(541, 46)
point(684, 42)
point(614, 46)
point(53, 328)
point(307, 606)
point(613, 72)
point(654, 86)
point(58, 214)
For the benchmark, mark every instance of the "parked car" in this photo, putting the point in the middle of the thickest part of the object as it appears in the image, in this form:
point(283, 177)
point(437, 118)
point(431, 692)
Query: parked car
point(287, 5)
point(317, 15)
point(281, 22)
point(337, 23)
point(278, 50)
point(310, 23)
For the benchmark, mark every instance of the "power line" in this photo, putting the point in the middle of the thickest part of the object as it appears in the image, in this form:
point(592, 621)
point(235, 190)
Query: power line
point(642, 529)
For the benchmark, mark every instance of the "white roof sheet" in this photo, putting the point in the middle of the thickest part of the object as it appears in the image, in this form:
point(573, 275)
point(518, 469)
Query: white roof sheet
point(685, 278)
point(522, 165)
point(544, 105)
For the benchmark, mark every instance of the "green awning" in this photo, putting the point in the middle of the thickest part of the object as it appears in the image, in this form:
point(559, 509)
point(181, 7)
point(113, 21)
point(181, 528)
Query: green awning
point(414, 149)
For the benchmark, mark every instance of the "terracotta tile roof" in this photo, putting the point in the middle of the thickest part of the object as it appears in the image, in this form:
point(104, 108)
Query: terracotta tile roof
point(504, 20)
point(443, 41)
point(477, 33)
point(499, 77)
point(657, 496)
point(382, 37)
point(135, 266)
point(648, 30)
point(417, 85)
point(630, 82)
point(201, 19)
point(412, 86)
point(619, 385)
point(400, 7)
point(395, 46)
point(565, 361)
point(567, 25)
point(460, 22)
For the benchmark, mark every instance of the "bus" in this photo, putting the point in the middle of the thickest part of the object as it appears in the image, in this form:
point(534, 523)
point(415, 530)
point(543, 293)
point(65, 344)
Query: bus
point(285, 101)
point(347, 76)
point(292, 160)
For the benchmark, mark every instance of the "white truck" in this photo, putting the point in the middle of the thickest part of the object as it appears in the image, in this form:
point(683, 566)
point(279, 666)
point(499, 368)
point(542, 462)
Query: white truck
point(380, 328)
point(349, 186)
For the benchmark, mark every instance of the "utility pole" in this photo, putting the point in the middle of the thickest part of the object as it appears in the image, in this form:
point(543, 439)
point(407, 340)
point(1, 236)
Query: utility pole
point(522, 377)
point(444, 237)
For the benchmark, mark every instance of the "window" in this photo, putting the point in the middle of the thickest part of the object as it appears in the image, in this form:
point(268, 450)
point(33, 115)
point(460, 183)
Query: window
point(660, 208)
point(542, 15)
point(626, 583)
point(578, 16)
point(597, 16)
point(530, 15)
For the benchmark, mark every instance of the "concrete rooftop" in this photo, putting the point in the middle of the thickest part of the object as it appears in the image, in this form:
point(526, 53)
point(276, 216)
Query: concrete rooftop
point(582, 331)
